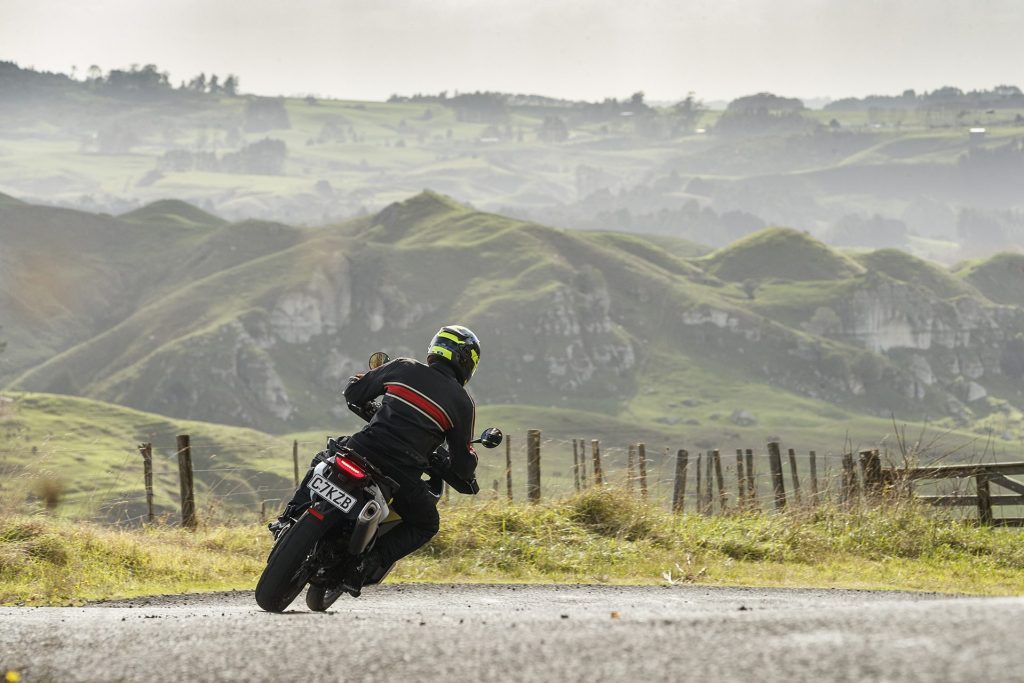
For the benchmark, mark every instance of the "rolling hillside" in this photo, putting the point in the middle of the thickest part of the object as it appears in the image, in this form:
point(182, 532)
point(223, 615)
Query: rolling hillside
point(193, 323)
point(115, 144)
point(85, 452)
point(254, 324)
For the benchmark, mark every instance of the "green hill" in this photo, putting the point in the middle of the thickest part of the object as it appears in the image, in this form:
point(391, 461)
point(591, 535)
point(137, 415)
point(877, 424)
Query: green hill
point(780, 253)
point(69, 276)
point(1000, 278)
point(259, 324)
point(87, 451)
point(904, 267)
point(173, 211)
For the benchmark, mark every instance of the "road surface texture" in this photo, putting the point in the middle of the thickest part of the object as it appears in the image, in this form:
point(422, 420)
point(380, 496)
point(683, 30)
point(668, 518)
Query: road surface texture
point(492, 634)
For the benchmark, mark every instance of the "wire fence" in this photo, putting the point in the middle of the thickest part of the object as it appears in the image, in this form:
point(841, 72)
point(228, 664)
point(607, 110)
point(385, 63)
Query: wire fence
point(103, 483)
point(237, 482)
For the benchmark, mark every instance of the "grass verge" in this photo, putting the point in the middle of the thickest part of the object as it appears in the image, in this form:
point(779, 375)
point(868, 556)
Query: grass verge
point(48, 561)
point(600, 536)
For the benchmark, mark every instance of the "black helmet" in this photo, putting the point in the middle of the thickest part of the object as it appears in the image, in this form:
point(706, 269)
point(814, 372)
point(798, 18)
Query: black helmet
point(457, 346)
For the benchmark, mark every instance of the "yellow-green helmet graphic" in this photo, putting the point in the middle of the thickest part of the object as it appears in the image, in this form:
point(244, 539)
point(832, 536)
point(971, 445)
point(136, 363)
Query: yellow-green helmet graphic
point(457, 346)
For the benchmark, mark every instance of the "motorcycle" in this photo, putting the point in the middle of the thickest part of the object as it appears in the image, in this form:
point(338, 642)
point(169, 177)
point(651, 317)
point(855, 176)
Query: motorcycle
point(349, 511)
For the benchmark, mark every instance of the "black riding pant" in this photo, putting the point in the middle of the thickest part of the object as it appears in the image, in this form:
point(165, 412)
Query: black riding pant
point(413, 502)
point(418, 509)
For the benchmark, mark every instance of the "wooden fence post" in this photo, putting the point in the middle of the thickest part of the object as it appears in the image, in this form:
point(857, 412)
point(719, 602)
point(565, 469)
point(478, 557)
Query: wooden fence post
point(844, 484)
point(796, 477)
point(631, 466)
point(708, 493)
point(723, 497)
point(778, 485)
point(849, 480)
point(814, 479)
point(575, 466)
point(641, 459)
point(146, 449)
point(295, 460)
point(188, 496)
point(981, 482)
point(583, 464)
point(741, 483)
point(679, 490)
point(264, 504)
point(595, 447)
point(508, 467)
point(699, 490)
point(855, 484)
point(871, 466)
point(533, 465)
point(751, 483)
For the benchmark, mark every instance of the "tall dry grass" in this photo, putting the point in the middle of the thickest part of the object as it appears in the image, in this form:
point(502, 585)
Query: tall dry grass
point(601, 535)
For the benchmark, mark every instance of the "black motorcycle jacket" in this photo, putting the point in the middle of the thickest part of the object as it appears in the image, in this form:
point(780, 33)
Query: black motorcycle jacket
point(422, 407)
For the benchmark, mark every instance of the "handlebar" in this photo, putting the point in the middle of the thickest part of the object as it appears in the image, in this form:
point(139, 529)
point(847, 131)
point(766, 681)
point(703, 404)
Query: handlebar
point(366, 412)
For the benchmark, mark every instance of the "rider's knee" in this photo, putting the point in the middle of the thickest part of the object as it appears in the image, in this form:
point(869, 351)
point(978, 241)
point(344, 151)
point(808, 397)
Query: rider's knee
point(430, 524)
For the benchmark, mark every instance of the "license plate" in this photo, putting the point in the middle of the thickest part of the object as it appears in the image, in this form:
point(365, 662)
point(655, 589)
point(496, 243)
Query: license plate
point(331, 493)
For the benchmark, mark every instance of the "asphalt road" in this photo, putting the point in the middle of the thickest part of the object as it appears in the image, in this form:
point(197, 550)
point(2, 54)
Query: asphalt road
point(526, 633)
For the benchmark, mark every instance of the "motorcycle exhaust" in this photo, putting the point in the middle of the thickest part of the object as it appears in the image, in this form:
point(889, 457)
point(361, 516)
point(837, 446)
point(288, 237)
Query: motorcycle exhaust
point(366, 527)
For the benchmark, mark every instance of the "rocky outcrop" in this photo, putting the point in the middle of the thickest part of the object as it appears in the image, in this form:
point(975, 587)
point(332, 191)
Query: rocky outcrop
point(322, 306)
point(578, 340)
point(224, 374)
point(950, 346)
point(255, 371)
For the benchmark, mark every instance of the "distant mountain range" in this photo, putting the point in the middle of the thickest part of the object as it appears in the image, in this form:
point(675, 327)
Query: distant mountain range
point(904, 171)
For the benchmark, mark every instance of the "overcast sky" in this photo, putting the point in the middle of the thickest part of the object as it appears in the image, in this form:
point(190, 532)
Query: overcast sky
point(586, 49)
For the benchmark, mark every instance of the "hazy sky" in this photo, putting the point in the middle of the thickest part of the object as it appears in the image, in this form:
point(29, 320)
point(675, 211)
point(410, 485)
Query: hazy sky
point(589, 49)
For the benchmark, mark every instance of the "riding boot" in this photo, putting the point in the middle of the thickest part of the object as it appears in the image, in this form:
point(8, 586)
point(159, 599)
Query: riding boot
point(357, 574)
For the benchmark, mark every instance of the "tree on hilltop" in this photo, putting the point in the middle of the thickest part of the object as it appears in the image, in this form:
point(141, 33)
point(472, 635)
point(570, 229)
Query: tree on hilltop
point(553, 129)
point(686, 113)
point(479, 107)
point(265, 157)
point(764, 113)
point(266, 113)
point(636, 105)
point(765, 103)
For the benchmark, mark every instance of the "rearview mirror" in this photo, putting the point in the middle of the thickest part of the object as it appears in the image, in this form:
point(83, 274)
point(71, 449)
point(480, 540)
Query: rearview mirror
point(490, 438)
point(378, 359)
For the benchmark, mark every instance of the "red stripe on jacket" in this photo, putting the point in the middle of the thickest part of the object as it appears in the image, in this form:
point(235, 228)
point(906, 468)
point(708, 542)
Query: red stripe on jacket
point(420, 401)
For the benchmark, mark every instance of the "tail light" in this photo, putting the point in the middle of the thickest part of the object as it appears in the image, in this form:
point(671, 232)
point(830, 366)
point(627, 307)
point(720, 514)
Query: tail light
point(348, 467)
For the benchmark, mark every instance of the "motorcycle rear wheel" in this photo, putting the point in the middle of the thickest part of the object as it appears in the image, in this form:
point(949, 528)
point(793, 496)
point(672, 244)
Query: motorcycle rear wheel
point(286, 572)
point(319, 597)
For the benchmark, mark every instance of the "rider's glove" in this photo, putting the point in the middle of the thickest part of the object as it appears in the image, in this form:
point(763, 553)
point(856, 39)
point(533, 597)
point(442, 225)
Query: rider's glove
point(440, 459)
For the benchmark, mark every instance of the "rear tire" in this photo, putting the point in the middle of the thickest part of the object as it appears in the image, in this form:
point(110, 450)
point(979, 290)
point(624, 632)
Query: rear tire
point(319, 597)
point(286, 572)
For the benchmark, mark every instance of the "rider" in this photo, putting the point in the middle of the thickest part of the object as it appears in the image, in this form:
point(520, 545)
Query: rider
point(423, 405)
